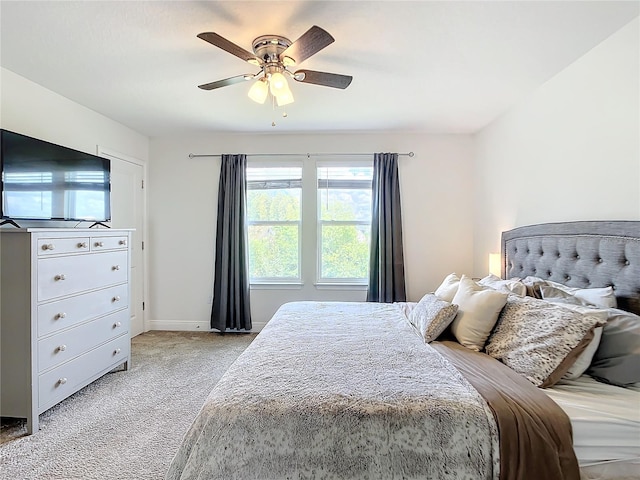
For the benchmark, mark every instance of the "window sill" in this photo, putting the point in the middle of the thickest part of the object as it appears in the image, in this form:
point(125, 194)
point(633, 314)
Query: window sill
point(341, 286)
point(298, 286)
point(276, 286)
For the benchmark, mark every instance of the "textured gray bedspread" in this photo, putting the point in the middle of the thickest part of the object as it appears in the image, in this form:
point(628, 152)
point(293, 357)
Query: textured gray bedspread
point(340, 391)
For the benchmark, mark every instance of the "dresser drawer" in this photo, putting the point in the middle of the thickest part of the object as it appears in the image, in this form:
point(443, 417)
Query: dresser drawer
point(54, 316)
point(108, 243)
point(56, 246)
point(68, 344)
point(58, 276)
point(62, 381)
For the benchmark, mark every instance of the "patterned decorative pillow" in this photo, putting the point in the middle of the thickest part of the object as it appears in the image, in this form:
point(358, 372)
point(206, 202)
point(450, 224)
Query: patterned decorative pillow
point(540, 340)
point(555, 295)
point(431, 316)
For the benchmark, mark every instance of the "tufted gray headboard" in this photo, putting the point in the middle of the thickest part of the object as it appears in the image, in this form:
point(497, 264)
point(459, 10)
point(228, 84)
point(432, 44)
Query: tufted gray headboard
point(578, 254)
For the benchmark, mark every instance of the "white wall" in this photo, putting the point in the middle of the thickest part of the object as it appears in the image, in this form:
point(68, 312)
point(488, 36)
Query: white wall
point(33, 110)
point(436, 187)
point(569, 151)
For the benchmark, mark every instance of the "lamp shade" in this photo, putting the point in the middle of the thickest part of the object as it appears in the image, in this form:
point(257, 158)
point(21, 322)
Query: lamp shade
point(284, 98)
point(495, 266)
point(278, 84)
point(258, 91)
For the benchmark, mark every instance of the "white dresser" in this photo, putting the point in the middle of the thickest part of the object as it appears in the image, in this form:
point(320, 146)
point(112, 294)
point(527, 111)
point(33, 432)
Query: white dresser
point(64, 315)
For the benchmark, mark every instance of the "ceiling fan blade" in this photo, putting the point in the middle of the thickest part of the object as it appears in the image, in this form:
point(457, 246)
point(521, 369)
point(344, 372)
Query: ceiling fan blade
point(310, 43)
point(228, 46)
point(323, 78)
point(226, 81)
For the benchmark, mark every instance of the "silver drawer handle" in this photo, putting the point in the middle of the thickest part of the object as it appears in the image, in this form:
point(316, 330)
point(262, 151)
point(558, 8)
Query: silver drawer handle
point(99, 244)
point(59, 277)
point(117, 324)
point(60, 315)
point(116, 298)
point(116, 351)
point(61, 348)
point(122, 242)
point(49, 246)
point(82, 245)
point(115, 267)
point(62, 381)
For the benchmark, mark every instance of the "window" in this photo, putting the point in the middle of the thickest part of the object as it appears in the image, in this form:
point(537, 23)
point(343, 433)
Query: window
point(344, 222)
point(309, 221)
point(55, 193)
point(274, 223)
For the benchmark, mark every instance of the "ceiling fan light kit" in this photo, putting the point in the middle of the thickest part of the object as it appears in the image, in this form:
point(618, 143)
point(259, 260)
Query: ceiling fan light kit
point(274, 54)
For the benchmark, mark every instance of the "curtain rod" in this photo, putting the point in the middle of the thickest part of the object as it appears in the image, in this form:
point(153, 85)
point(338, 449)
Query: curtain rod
point(308, 155)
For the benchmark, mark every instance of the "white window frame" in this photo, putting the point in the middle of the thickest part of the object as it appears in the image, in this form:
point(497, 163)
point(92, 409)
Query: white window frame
point(309, 233)
point(322, 281)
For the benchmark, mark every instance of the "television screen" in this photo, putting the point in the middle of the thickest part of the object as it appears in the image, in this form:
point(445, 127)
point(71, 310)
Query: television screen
point(44, 181)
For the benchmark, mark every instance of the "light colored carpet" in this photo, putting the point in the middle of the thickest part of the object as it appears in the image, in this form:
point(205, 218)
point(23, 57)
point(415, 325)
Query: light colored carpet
point(126, 425)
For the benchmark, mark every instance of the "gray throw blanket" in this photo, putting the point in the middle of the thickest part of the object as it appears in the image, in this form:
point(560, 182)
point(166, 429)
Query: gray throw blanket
point(340, 391)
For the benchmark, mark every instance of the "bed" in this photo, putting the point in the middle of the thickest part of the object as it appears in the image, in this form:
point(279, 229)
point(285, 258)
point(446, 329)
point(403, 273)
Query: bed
point(363, 390)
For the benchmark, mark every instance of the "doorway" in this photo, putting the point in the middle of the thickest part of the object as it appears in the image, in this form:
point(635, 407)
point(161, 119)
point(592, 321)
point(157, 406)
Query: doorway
point(128, 211)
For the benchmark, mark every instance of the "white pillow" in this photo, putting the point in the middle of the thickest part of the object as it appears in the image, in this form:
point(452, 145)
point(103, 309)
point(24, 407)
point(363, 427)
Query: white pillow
point(584, 359)
point(513, 285)
point(601, 297)
point(478, 310)
point(448, 288)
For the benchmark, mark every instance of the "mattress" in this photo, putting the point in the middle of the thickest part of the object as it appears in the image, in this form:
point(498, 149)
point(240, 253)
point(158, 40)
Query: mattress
point(605, 420)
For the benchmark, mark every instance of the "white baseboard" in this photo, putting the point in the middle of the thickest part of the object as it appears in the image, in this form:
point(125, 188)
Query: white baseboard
point(191, 326)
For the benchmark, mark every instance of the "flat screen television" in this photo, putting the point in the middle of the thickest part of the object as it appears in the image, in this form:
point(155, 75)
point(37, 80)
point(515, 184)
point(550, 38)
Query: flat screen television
point(44, 181)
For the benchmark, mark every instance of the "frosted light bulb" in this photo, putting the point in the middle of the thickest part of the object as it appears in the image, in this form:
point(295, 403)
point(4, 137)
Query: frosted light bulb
point(277, 84)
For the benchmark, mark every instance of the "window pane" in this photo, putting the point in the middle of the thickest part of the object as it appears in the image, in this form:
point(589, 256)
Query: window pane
point(346, 205)
point(273, 193)
point(345, 173)
point(262, 174)
point(85, 204)
point(28, 204)
point(274, 205)
point(345, 193)
point(273, 251)
point(345, 251)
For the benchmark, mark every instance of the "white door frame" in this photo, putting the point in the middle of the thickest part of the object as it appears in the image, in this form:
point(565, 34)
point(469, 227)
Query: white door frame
point(110, 153)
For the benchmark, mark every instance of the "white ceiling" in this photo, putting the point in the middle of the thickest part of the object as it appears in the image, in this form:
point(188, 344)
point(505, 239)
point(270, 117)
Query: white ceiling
point(435, 66)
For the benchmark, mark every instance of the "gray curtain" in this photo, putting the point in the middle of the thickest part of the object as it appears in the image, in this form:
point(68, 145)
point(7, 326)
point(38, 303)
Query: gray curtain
point(386, 266)
point(231, 309)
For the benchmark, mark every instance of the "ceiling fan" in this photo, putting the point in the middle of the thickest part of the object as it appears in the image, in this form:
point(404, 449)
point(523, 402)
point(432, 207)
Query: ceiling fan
point(274, 55)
